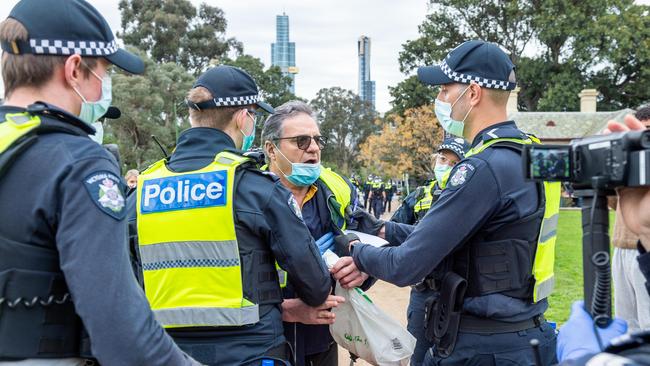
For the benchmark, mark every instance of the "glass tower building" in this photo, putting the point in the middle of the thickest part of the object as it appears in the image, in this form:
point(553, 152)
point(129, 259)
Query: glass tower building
point(366, 86)
point(283, 52)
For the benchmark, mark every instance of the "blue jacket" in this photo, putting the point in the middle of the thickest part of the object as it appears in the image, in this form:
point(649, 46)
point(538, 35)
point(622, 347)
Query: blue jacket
point(262, 213)
point(488, 192)
point(49, 199)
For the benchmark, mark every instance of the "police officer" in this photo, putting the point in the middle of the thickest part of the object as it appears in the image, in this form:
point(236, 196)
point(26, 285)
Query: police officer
point(64, 263)
point(377, 197)
point(211, 227)
point(450, 152)
point(293, 144)
point(417, 204)
point(499, 249)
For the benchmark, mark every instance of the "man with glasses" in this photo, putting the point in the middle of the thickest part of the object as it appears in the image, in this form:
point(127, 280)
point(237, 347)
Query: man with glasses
point(211, 228)
point(293, 144)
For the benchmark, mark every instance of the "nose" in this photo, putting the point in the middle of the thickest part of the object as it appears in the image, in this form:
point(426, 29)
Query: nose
point(313, 146)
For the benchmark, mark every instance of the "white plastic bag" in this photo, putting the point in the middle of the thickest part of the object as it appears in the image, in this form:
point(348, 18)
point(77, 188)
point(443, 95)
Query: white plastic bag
point(364, 329)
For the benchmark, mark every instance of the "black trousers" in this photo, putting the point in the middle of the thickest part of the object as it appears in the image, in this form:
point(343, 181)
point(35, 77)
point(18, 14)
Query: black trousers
point(327, 358)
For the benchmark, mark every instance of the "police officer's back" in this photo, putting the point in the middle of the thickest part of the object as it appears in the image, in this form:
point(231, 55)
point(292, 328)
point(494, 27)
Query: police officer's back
point(493, 297)
point(211, 227)
point(63, 256)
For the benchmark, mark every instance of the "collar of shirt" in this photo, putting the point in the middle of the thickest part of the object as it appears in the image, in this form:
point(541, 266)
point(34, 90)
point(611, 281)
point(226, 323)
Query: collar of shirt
point(49, 111)
point(201, 142)
point(507, 129)
point(310, 194)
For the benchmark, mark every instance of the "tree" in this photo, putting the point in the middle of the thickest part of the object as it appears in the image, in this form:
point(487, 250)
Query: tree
point(598, 44)
point(272, 84)
point(151, 104)
point(174, 31)
point(346, 121)
point(410, 93)
point(405, 145)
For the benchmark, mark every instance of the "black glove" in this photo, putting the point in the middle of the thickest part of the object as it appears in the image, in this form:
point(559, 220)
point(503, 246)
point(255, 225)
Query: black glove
point(342, 244)
point(366, 223)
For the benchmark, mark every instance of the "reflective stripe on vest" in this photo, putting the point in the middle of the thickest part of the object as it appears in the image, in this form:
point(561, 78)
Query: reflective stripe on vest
point(188, 246)
point(16, 126)
point(545, 254)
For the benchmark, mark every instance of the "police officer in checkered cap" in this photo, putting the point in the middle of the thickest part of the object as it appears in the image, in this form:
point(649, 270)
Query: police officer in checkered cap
point(486, 230)
point(67, 289)
point(252, 221)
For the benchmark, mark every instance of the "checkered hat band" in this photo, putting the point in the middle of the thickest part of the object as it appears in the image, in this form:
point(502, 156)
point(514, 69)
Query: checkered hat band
point(234, 101)
point(84, 48)
point(225, 102)
point(453, 148)
point(466, 79)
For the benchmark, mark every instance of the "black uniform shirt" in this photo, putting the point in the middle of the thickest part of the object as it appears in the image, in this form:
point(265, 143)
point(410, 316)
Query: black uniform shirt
point(65, 191)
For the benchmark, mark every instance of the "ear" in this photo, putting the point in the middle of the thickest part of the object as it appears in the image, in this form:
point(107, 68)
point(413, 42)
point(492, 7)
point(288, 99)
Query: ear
point(72, 70)
point(270, 149)
point(475, 93)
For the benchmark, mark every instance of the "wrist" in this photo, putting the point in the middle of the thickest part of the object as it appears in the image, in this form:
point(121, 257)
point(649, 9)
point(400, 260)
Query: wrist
point(382, 232)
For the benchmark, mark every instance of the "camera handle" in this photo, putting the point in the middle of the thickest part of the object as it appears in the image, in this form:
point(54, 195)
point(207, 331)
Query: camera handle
point(595, 254)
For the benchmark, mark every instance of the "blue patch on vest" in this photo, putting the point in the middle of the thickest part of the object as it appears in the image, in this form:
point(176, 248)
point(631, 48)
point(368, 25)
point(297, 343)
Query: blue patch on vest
point(184, 192)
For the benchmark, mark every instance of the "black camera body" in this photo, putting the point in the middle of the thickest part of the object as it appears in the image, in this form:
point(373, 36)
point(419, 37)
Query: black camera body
point(616, 160)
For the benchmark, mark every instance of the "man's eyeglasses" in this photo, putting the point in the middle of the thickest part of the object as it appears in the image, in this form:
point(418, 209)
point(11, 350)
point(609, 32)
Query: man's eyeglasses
point(303, 141)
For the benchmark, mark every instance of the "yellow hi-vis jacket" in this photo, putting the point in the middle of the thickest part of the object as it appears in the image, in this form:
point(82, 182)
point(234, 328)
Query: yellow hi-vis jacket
point(188, 246)
point(544, 259)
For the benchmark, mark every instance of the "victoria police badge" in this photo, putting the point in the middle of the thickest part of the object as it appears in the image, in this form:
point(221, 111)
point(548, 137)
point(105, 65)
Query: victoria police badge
point(107, 192)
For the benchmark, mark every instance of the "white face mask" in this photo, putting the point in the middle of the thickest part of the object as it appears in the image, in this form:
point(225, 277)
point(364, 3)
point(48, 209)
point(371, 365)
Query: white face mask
point(92, 111)
point(443, 113)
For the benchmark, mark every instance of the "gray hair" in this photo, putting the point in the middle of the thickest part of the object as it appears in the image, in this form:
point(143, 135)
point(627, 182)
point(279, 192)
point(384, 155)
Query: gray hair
point(272, 129)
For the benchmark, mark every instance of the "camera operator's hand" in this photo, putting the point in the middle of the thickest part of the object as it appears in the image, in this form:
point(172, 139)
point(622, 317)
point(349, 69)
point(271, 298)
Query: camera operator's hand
point(634, 202)
point(577, 336)
point(366, 223)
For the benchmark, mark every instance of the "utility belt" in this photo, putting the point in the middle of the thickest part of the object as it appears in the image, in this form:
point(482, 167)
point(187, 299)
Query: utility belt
point(38, 317)
point(427, 284)
point(444, 317)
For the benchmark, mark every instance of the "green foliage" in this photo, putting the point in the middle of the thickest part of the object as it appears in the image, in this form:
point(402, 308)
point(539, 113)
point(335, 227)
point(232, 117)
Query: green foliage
point(274, 87)
point(346, 121)
point(410, 93)
point(601, 44)
point(151, 104)
point(175, 31)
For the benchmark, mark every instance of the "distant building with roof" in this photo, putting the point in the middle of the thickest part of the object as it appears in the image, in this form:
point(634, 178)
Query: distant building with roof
point(562, 127)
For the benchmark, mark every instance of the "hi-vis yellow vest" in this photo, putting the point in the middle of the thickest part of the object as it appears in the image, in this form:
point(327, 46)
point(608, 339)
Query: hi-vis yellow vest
point(336, 204)
point(425, 203)
point(545, 254)
point(188, 246)
point(15, 127)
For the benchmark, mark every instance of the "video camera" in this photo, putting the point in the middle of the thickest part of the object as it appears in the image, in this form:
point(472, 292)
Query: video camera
point(594, 166)
point(615, 160)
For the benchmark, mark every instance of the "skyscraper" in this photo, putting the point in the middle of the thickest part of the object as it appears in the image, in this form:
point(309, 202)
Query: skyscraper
point(283, 52)
point(366, 86)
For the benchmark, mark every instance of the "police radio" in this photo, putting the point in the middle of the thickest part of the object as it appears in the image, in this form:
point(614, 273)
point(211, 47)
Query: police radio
point(594, 167)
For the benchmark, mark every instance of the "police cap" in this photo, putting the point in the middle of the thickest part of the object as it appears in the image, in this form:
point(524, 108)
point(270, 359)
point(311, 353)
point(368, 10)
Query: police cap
point(473, 61)
point(229, 87)
point(68, 27)
point(456, 145)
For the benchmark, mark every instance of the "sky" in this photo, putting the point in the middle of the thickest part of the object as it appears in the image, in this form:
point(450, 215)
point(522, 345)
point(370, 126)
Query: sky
point(325, 33)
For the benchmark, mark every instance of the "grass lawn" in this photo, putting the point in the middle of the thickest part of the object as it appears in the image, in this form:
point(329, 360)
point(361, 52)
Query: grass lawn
point(568, 265)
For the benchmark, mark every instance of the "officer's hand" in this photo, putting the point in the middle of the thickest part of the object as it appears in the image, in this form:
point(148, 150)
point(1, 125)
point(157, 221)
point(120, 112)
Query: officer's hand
point(577, 337)
point(342, 244)
point(347, 273)
point(634, 202)
point(365, 222)
point(296, 311)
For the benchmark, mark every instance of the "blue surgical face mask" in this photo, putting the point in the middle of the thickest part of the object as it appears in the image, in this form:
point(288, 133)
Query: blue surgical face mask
point(248, 139)
point(93, 111)
point(443, 113)
point(302, 174)
point(440, 170)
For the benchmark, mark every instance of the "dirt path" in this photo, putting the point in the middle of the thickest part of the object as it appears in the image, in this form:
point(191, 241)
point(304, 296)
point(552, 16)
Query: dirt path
point(391, 299)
